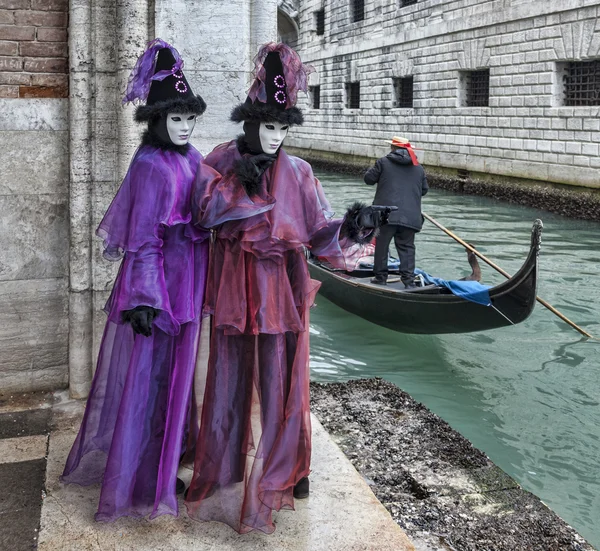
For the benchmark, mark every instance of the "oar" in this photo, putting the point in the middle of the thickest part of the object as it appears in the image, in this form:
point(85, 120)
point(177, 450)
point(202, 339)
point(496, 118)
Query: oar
point(506, 274)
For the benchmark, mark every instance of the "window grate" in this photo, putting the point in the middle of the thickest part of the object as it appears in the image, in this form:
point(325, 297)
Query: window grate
point(582, 83)
point(353, 95)
point(403, 92)
point(315, 95)
point(478, 88)
point(320, 22)
point(408, 2)
point(358, 10)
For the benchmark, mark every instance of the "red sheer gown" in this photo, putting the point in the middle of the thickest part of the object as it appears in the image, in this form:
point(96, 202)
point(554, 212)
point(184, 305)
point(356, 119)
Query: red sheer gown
point(254, 442)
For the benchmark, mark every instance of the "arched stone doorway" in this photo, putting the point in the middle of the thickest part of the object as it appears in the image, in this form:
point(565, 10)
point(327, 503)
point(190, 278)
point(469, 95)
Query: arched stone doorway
point(287, 22)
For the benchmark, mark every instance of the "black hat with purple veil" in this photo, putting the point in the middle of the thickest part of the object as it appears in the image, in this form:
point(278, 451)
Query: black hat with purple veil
point(279, 75)
point(158, 79)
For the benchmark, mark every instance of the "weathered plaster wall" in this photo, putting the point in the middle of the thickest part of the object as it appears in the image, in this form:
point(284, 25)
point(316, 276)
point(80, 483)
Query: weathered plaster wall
point(104, 42)
point(34, 237)
point(523, 133)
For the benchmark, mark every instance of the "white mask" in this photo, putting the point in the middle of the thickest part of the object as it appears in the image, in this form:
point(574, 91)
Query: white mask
point(180, 126)
point(271, 135)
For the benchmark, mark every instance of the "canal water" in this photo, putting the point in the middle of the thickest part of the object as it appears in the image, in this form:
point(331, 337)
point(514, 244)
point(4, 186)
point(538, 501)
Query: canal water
point(528, 395)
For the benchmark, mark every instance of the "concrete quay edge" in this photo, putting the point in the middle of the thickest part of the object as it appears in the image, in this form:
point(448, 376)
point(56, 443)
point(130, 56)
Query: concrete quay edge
point(341, 513)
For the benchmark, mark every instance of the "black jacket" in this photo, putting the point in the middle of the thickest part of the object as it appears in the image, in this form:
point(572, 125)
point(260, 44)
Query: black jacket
point(400, 184)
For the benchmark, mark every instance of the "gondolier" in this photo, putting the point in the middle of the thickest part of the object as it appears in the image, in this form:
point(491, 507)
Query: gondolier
point(401, 181)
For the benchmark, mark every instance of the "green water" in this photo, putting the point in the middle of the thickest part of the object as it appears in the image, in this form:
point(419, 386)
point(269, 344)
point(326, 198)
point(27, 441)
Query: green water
point(528, 395)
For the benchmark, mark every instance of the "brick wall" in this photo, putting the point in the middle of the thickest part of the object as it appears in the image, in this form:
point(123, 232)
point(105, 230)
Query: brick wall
point(33, 49)
point(525, 131)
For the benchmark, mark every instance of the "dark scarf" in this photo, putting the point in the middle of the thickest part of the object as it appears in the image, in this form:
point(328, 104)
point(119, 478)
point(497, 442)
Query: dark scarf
point(254, 162)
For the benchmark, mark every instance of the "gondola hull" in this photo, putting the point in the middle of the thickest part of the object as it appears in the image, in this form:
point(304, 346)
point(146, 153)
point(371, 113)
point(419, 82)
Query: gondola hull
point(432, 309)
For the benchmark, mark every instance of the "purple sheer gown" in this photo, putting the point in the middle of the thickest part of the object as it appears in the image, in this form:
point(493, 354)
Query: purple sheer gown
point(254, 443)
point(131, 436)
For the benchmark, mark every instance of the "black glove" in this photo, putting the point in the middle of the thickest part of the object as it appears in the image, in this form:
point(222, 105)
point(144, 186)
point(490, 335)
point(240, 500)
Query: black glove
point(249, 171)
point(375, 216)
point(141, 318)
point(262, 161)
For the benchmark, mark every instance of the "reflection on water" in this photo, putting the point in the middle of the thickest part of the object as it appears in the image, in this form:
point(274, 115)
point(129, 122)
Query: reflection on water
point(526, 395)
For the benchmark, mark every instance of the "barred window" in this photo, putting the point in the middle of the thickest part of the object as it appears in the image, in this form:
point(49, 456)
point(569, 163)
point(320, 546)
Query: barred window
point(407, 2)
point(353, 95)
point(403, 92)
point(358, 10)
point(581, 80)
point(315, 96)
point(320, 22)
point(477, 88)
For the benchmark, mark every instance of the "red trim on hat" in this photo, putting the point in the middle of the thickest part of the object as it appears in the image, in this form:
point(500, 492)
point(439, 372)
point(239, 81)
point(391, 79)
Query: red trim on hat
point(410, 150)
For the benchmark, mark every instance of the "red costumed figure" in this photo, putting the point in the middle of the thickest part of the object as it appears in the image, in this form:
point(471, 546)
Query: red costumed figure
point(254, 444)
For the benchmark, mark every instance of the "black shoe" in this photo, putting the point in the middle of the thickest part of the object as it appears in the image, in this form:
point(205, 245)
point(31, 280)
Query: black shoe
point(301, 490)
point(179, 486)
point(378, 280)
point(409, 285)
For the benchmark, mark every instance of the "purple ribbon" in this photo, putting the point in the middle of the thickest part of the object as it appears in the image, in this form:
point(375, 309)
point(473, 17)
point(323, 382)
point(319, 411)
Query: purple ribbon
point(142, 75)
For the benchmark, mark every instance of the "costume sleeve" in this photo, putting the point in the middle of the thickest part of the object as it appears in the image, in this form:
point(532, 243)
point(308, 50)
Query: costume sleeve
point(372, 175)
point(133, 229)
point(424, 186)
point(326, 242)
point(144, 201)
point(142, 278)
point(219, 199)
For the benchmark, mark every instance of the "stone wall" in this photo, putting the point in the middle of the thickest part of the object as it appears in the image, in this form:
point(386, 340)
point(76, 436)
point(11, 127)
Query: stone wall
point(525, 132)
point(33, 49)
point(34, 195)
point(34, 233)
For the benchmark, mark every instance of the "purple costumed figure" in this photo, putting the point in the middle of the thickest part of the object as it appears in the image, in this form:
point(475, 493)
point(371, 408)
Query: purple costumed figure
point(253, 449)
point(131, 436)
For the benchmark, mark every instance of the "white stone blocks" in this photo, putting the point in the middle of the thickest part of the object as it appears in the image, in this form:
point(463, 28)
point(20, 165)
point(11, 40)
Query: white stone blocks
point(590, 149)
point(520, 52)
point(33, 332)
point(34, 231)
point(24, 152)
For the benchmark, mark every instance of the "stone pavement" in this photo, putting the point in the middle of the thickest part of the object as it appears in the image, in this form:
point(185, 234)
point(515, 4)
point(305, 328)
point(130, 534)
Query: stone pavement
point(341, 514)
point(24, 428)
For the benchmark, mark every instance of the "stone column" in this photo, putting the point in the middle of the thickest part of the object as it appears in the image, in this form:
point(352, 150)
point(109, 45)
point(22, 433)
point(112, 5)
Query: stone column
point(263, 24)
point(104, 44)
point(132, 37)
point(80, 137)
point(217, 41)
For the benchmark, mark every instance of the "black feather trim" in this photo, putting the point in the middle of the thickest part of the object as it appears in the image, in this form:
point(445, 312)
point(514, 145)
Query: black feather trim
point(263, 112)
point(248, 174)
point(152, 139)
point(242, 147)
point(193, 104)
point(351, 227)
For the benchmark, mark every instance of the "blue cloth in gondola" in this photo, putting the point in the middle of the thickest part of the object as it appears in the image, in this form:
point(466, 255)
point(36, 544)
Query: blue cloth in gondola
point(469, 290)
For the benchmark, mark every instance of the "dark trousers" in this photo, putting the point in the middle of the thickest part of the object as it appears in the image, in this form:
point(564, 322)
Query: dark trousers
point(404, 239)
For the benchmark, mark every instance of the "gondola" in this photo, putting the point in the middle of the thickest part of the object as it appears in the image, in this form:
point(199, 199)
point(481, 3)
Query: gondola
point(431, 309)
